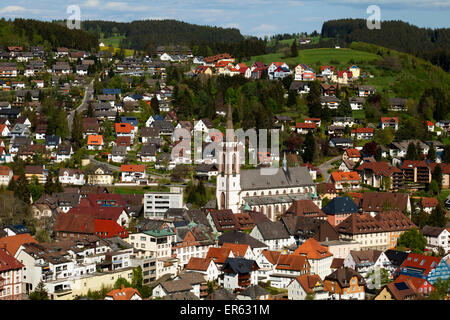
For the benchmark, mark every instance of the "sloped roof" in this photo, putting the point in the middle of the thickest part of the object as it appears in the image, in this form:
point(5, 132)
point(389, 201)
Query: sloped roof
point(343, 275)
point(238, 237)
point(312, 249)
point(254, 291)
point(239, 265)
point(201, 264)
point(309, 281)
point(340, 205)
point(377, 201)
point(12, 243)
point(272, 230)
point(8, 262)
point(293, 262)
point(123, 293)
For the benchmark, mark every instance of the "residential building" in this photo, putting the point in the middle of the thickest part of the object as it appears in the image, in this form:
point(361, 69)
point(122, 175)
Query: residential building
point(345, 284)
point(157, 203)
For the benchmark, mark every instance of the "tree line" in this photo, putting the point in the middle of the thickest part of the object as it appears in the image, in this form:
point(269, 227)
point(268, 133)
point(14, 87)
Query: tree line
point(429, 44)
point(50, 35)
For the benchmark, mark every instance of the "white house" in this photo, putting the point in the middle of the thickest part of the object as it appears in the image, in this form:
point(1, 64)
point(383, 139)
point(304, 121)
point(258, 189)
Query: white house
point(306, 284)
point(273, 234)
point(71, 176)
point(436, 237)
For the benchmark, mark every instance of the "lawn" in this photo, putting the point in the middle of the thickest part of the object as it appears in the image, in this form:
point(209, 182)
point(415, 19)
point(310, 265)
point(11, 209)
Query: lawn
point(112, 41)
point(316, 56)
point(128, 52)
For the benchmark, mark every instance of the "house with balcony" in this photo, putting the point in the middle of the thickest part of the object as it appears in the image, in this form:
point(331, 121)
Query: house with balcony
point(238, 273)
point(365, 261)
point(425, 267)
point(156, 243)
point(288, 267)
point(132, 173)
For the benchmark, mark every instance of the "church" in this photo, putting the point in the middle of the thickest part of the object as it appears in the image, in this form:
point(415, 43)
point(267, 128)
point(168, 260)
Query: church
point(252, 189)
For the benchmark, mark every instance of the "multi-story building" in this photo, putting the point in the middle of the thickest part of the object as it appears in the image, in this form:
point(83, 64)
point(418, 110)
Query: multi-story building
point(11, 277)
point(156, 243)
point(157, 203)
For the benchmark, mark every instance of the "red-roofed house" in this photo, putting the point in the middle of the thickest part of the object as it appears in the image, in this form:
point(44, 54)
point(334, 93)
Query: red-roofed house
point(428, 204)
point(430, 126)
point(288, 265)
point(123, 294)
point(125, 130)
point(307, 284)
point(219, 255)
point(240, 250)
point(95, 142)
point(362, 133)
point(389, 122)
point(109, 229)
point(6, 175)
point(372, 173)
point(421, 285)
point(304, 128)
point(11, 275)
point(318, 257)
point(351, 154)
point(132, 172)
point(345, 180)
point(204, 266)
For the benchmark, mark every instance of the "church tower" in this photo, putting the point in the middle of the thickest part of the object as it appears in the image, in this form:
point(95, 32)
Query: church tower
point(228, 185)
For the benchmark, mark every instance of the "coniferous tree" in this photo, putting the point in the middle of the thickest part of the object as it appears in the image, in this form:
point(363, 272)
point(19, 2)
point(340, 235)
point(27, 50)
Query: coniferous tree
point(309, 148)
point(437, 175)
point(411, 152)
point(40, 293)
point(432, 153)
point(294, 50)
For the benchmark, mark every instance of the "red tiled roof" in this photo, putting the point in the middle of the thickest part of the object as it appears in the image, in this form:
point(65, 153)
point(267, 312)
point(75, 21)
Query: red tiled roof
point(429, 202)
point(8, 262)
point(345, 176)
point(420, 261)
point(379, 168)
point(123, 293)
point(108, 229)
point(306, 125)
point(200, 264)
point(272, 256)
point(309, 281)
point(353, 153)
point(123, 128)
point(132, 168)
point(12, 243)
point(312, 249)
point(238, 250)
point(362, 130)
point(292, 262)
point(4, 170)
point(219, 255)
point(95, 139)
point(389, 119)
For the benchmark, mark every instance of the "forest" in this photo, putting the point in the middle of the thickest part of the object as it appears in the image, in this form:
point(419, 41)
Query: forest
point(50, 35)
point(429, 44)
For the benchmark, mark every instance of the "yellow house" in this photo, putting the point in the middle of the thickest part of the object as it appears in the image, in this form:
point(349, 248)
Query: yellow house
point(80, 286)
point(99, 175)
point(355, 71)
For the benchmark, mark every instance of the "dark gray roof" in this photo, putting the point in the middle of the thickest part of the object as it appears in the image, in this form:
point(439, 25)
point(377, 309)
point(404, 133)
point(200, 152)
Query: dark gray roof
point(340, 205)
point(119, 151)
point(221, 294)
point(430, 231)
point(148, 150)
point(234, 236)
point(254, 291)
point(239, 265)
point(252, 179)
point(272, 230)
point(396, 257)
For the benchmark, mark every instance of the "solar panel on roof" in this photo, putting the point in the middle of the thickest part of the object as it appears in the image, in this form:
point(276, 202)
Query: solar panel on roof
point(401, 286)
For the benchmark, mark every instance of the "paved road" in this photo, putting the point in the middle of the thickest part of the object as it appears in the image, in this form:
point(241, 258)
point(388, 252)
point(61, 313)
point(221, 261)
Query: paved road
point(88, 95)
point(324, 167)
